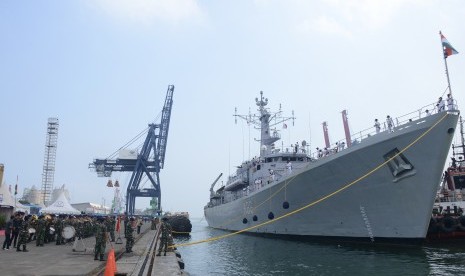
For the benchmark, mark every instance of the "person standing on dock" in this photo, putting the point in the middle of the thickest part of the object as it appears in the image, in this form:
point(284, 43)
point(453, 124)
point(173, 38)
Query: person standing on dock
point(110, 224)
point(59, 225)
point(129, 235)
point(165, 233)
point(8, 230)
point(100, 239)
point(16, 228)
point(23, 234)
point(40, 231)
point(139, 225)
point(153, 226)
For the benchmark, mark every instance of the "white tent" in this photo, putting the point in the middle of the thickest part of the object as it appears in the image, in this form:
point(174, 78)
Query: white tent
point(60, 206)
point(7, 200)
point(5, 197)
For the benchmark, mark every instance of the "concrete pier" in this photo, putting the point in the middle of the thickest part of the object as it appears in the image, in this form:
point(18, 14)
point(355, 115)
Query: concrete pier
point(54, 259)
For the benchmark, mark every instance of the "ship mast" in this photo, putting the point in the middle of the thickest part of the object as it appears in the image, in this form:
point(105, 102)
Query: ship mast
point(264, 121)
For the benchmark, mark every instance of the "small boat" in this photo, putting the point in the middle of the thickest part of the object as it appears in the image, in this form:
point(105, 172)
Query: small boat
point(448, 218)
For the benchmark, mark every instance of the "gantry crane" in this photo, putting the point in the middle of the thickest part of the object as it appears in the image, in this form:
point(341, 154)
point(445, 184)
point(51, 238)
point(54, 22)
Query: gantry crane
point(150, 160)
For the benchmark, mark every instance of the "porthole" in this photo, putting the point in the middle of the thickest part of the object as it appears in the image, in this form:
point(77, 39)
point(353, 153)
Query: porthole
point(270, 215)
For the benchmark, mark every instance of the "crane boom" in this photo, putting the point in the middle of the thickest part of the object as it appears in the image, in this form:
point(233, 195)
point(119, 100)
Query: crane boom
point(212, 193)
point(165, 125)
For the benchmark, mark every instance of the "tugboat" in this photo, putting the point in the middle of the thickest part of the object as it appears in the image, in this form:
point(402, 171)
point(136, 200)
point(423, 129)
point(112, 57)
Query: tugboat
point(448, 219)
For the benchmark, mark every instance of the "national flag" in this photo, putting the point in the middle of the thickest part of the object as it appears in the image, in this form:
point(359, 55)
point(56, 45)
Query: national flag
point(284, 126)
point(448, 49)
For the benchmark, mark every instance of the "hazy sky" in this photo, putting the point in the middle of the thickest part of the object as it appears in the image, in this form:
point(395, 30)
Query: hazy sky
point(103, 67)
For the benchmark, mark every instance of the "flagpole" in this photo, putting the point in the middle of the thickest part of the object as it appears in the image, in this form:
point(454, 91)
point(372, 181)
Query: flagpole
point(445, 63)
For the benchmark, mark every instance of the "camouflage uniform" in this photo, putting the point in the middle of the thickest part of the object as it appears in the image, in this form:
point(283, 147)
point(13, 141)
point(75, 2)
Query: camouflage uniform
point(59, 225)
point(33, 223)
point(129, 234)
point(100, 240)
point(165, 235)
point(110, 224)
point(79, 227)
point(23, 235)
point(40, 232)
point(51, 233)
point(48, 223)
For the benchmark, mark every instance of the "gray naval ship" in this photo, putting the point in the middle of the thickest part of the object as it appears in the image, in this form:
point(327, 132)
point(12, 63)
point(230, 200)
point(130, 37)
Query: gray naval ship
point(378, 186)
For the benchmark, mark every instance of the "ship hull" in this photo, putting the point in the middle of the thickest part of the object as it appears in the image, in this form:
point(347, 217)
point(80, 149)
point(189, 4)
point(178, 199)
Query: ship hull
point(361, 192)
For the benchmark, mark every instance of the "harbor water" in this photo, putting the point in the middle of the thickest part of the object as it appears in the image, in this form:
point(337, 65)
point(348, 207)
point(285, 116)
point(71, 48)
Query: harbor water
point(251, 255)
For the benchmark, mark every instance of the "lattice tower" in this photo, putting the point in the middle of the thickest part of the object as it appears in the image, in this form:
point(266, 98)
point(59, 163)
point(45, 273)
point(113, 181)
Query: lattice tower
point(48, 173)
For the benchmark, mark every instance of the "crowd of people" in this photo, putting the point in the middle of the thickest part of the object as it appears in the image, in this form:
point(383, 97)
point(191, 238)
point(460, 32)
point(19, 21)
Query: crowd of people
point(23, 230)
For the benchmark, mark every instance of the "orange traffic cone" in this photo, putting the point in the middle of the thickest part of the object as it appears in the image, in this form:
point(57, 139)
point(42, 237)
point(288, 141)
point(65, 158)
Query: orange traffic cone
point(110, 268)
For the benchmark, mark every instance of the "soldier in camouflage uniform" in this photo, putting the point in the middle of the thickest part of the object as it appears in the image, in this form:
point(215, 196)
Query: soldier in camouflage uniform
point(33, 221)
point(100, 239)
point(40, 232)
point(79, 227)
point(125, 221)
point(51, 233)
point(129, 234)
point(48, 223)
point(165, 235)
point(110, 224)
point(59, 225)
point(23, 234)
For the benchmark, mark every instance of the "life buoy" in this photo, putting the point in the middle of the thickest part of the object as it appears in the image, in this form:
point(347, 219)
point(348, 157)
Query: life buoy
point(448, 224)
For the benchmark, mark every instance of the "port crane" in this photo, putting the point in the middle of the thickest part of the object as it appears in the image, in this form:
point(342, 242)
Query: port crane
point(148, 162)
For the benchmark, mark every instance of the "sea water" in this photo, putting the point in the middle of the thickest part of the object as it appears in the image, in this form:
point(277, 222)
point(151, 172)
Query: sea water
point(244, 254)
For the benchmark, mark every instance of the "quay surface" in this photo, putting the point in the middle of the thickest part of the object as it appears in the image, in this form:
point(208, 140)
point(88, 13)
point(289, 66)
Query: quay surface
point(54, 259)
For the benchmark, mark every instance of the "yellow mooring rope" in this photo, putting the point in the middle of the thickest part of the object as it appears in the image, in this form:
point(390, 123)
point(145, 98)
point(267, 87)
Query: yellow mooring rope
point(317, 201)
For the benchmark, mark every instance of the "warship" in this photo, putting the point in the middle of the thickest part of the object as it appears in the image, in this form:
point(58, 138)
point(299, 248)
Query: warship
point(377, 186)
